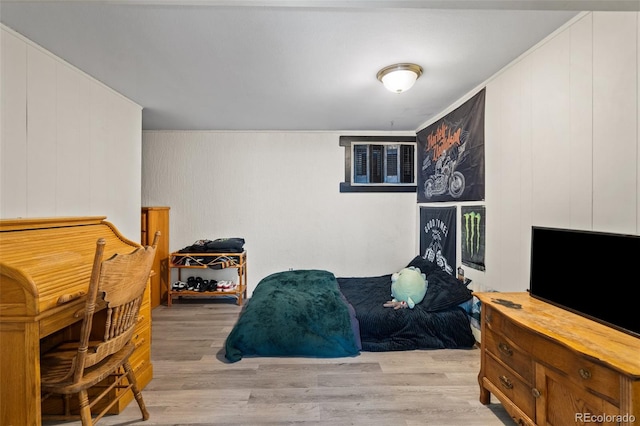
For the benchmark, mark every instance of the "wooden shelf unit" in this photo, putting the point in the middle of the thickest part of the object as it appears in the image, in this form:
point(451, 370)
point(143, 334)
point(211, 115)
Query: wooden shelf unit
point(207, 261)
point(549, 366)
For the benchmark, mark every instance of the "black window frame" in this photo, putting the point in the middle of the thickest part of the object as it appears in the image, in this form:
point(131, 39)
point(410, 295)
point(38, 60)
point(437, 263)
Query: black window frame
point(348, 141)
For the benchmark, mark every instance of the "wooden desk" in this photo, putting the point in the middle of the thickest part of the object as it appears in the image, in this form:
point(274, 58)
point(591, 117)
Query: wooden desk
point(45, 266)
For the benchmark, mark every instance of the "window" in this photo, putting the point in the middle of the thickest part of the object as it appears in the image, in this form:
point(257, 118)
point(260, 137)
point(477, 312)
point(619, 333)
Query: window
point(379, 164)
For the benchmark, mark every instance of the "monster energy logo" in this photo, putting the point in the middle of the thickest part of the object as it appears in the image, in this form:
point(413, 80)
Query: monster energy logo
point(472, 228)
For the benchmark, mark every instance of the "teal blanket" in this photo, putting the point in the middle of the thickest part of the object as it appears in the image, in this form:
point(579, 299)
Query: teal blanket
point(295, 313)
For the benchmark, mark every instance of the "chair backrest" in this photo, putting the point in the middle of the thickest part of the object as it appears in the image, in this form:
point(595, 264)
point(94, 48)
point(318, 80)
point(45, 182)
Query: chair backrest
point(118, 283)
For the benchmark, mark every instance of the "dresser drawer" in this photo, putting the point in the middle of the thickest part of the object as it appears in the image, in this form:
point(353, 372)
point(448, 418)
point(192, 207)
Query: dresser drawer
point(141, 336)
point(519, 392)
point(501, 325)
point(509, 353)
point(579, 369)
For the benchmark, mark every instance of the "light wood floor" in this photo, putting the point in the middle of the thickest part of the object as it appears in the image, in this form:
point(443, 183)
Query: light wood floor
point(193, 384)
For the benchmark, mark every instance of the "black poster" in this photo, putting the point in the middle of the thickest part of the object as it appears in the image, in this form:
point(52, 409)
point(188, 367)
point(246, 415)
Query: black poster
point(438, 236)
point(451, 155)
point(473, 231)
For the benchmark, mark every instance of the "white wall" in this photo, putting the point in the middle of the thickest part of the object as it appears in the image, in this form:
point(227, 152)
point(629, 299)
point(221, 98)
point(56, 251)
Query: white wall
point(69, 146)
point(562, 149)
point(562, 146)
point(280, 191)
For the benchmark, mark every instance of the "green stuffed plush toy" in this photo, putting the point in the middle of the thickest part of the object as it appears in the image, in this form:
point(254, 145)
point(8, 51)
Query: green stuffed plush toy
point(408, 287)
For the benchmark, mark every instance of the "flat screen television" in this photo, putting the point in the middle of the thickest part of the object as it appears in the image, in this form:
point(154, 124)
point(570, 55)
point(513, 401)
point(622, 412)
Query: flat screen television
point(589, 273)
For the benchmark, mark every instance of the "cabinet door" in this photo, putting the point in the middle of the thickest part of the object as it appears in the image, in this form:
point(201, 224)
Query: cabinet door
point(562, 402)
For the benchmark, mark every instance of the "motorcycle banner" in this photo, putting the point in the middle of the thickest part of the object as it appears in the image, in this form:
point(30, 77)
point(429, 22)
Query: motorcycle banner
point(451, 155)
point(438, 236)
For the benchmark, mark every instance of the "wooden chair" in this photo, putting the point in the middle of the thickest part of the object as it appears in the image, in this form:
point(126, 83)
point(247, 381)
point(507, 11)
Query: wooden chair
point(73, 367)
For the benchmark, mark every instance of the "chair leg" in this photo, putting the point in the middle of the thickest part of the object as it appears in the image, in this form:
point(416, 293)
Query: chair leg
point(85, 409)
point(67, 404)
point(136, 392)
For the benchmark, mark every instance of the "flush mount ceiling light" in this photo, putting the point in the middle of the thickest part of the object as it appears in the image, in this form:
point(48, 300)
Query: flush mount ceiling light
point(399, 78)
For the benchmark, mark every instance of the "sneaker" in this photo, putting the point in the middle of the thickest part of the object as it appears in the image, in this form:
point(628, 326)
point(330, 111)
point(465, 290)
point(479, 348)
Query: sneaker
point(192, 283)
point(213, 285)
point(178, 286)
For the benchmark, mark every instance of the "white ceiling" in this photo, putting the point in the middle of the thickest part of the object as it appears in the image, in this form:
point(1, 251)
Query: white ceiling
point(289, 65)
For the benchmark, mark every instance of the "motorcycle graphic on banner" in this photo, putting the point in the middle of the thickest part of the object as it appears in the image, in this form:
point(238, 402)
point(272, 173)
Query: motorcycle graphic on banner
point(446, 179)
point(451, 155)
point(438, 236)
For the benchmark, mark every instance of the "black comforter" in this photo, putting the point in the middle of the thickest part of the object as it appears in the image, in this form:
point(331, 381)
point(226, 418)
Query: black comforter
point(435, 323)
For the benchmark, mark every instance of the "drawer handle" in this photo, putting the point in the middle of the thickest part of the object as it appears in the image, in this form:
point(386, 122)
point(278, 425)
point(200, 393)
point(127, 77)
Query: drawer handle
point(584, 373)
point(139, 343)
point(139, 366)
point(505, 349)
point(504, 380)
point(66, 298)
point(536, 393)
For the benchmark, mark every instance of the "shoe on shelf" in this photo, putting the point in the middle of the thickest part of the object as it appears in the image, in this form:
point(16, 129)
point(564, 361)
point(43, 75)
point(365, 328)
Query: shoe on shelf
point(213, 285)
point(197, 284)
point(178, 286)
point(191, 283)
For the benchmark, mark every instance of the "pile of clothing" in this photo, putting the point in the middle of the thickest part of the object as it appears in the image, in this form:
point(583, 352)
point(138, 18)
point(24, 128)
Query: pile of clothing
point(219, 246)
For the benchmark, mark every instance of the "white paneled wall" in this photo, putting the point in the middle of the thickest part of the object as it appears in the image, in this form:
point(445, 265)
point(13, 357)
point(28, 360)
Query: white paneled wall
point(562, 146)
point(581, 123)
point(615, 121)
point(562, 149)
point(280, 191)
point(13, 126)
point(70, 146)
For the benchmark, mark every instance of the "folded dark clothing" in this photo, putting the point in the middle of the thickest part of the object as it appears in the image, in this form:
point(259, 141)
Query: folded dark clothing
point(193, 249)
point(226, 245)
point(220, 245)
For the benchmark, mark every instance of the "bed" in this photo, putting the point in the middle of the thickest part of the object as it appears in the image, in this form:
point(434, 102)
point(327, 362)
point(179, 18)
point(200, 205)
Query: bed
point(313, 313)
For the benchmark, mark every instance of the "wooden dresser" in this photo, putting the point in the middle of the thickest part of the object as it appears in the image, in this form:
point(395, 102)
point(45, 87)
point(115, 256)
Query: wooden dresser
point(549, 366)
point(157, 219)
point(45, 266)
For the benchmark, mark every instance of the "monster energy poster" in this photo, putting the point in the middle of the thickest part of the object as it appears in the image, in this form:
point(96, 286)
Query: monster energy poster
point(438, 236)
point(473, 236)
point(451, 155)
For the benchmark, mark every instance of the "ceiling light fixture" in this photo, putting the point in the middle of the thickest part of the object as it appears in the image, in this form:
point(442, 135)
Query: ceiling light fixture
point(399, 78)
